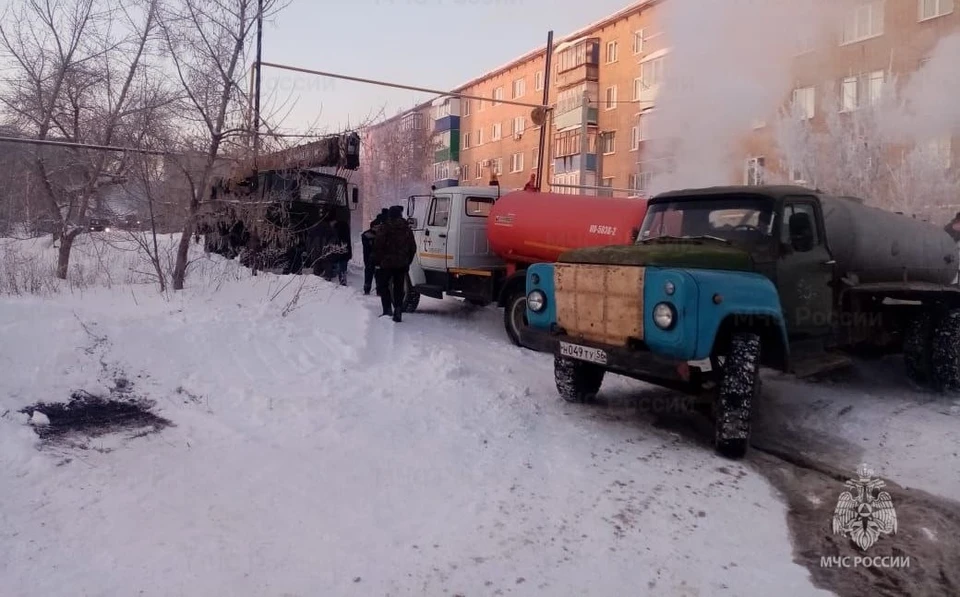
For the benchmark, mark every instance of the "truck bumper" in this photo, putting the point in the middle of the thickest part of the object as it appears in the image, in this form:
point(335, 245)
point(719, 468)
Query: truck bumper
point(638, 363)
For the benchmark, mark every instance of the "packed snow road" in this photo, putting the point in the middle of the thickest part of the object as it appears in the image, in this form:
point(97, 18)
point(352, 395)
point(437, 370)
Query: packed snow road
point(319, 450)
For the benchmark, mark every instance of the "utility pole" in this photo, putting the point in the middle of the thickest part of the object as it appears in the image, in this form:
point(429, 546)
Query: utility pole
point(543, 125)
point(256, 98)
point(584, 116)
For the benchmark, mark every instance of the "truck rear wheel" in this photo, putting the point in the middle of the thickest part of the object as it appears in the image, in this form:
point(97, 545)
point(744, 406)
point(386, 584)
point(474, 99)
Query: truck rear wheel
point(738, 393)
point(577, 381)
point(515, 316)
point(945, 352)
point(917, 345)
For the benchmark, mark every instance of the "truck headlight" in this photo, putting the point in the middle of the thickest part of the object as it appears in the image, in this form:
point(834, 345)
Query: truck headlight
point(664, 316)
point(537, 301)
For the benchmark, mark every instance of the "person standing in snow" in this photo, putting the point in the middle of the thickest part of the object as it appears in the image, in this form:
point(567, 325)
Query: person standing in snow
point(366, 241)
point(344, 251)
point(394, 249)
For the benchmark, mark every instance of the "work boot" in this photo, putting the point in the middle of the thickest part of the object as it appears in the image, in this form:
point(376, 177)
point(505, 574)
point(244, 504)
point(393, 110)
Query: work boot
point(396, 316)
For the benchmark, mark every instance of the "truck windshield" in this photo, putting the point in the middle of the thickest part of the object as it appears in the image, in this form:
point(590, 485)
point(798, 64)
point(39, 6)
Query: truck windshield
point(323, 188)
point(745, 218)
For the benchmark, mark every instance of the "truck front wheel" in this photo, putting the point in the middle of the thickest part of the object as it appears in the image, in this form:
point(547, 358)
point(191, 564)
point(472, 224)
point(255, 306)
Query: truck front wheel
point(945, 352)
point(917, 346)
point(515, 316)
point(738, 394)
point(577, 381)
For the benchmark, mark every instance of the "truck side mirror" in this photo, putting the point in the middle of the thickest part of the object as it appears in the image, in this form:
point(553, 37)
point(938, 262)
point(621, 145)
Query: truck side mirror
point(413, 223)
point(801, 232)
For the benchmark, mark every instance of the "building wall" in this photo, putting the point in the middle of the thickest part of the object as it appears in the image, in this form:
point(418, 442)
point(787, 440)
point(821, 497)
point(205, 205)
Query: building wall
point(898, 51)
point(905, 41)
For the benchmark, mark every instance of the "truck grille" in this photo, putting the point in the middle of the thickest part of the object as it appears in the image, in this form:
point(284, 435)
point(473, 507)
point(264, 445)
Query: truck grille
point(600, 303)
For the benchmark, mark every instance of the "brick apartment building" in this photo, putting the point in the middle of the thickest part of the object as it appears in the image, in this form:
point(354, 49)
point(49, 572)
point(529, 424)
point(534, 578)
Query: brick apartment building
point(618, 63)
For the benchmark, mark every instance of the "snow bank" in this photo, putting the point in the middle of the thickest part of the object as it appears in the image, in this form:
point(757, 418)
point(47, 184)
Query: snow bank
point(319, 449)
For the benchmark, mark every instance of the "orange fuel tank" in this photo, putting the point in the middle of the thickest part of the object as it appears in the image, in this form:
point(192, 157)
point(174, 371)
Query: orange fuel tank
point(526, 227)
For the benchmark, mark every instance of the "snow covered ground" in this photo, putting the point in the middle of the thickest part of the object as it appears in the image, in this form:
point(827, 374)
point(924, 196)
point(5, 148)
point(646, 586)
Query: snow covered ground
point(320, 450)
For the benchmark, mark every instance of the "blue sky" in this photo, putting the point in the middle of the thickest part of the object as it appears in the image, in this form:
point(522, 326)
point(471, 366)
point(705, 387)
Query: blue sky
point(429, 43)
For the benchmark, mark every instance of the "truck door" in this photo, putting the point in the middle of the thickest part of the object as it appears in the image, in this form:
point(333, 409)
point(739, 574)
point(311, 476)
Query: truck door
point(433, 253)
point(473, 248)
point(805, 270)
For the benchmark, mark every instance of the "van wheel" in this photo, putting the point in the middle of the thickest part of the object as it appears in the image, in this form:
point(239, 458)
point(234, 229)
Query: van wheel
point(738, 394)
point(945, 352)
point(577, 381)
point(917, 344)
point(515, 316)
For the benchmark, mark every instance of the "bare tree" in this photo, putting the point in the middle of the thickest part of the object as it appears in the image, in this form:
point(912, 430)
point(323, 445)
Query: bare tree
point(78, 77)
point(398, 156)
point(208, 44)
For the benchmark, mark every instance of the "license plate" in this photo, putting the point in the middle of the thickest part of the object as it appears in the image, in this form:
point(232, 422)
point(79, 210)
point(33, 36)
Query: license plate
point(583, 353)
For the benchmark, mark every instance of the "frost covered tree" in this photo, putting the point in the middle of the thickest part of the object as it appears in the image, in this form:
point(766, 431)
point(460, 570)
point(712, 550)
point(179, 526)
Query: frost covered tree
point(397, 160)
point(209, 44)
point(78, 73)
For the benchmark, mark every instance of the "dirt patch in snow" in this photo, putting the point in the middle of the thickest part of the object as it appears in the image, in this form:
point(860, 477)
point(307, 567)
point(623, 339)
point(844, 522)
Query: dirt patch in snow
point(928, 533)
point(87, 415)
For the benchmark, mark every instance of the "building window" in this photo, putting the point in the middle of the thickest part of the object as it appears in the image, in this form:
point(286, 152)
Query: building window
point(519, 88)
point(641, 182)
point(754, 174)
point(612, 51)
point(796, 173)
point(610, 98)
point(651, 73)
point(519, 125)
point(498, 166)
point(643, 127)
point(638, 41)
point(479, 170)
point(466, 106)
point(635, 138)
point(931, 9)
point(466, 140)
point(536, 158)
point(863, 22)
point(441, 171)
point(939, 152)
point(804, 102)
point(497, 132)
point(538, 80)
point(497, 95)
point(861, 90)
point(516, 162)
point(609, 144)
point(479, 138)
point(465, 172)
point(606, 187)
point(637, 89)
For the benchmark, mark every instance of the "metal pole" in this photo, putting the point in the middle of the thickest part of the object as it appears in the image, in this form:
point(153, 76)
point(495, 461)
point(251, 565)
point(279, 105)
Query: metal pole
point(23, 141)
point(407, 87)
point(546, 99)
point(600, 138)
point(584, 112)
point(256, 105)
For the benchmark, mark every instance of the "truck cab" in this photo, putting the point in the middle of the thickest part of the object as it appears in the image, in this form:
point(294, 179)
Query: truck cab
point(725, 280)
point(454, 257)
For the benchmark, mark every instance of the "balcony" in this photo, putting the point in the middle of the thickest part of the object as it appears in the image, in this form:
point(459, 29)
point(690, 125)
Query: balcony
point(578, 74)
point(648, 94)
point(574, 118)
point(447, 123)
point(568, 143)
point(571, 163)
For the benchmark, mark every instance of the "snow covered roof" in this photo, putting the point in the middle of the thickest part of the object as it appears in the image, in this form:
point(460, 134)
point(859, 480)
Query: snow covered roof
point(576, 35)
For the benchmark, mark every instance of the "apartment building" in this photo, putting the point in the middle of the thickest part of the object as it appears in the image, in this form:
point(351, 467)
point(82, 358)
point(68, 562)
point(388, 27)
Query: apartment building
point(876, 43)
point(617, 66)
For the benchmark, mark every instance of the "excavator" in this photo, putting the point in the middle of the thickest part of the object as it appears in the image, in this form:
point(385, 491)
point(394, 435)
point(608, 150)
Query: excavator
point(267, 213)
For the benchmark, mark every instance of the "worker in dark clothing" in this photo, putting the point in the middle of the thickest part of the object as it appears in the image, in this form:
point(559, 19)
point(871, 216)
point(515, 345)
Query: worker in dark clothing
point(531, 184)
point(344, 251)
point(366, 240)
point(394, 249)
